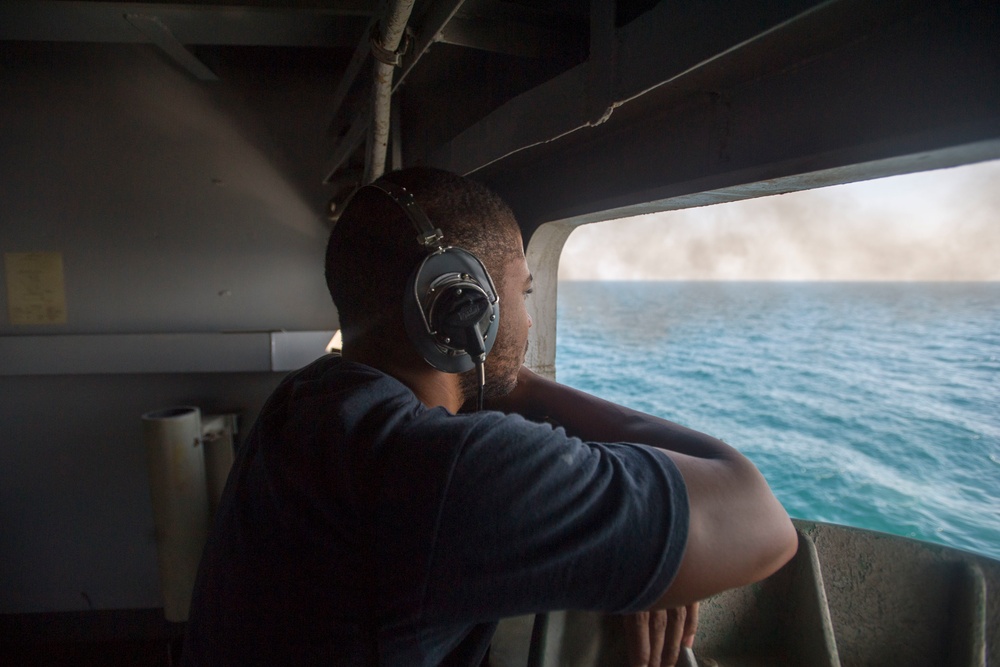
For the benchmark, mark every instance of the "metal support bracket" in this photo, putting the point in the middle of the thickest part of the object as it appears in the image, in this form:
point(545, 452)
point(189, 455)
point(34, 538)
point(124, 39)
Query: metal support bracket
point(384, 55)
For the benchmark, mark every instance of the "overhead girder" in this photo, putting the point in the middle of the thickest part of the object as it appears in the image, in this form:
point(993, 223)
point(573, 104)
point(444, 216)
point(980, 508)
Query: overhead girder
point(173, 27)
point(482, 26)
point(315, 24)
point(684, 104)
point(842, 91)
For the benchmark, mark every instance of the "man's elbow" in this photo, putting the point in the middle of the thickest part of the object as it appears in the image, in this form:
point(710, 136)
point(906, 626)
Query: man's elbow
point(778, 540)
point(781, 547)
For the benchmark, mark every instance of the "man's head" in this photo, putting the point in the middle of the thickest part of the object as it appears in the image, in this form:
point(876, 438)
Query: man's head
point(373, 251)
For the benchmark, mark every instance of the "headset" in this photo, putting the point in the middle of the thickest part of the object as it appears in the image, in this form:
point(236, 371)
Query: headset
point(451, 308)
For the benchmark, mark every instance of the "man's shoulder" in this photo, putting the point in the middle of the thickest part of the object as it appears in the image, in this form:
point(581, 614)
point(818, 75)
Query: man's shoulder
point(334, 368)
point(332, 398)
point(360, 402)
point(334, 378)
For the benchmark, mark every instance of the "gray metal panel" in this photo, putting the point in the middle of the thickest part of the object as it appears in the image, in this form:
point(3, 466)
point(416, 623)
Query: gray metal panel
point(170, 201)
point(178, 207)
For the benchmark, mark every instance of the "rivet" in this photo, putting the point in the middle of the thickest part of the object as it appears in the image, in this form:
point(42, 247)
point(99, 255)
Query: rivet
point(458, 291)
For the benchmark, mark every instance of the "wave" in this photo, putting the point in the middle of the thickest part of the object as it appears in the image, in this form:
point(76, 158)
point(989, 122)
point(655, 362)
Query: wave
point(868, 404)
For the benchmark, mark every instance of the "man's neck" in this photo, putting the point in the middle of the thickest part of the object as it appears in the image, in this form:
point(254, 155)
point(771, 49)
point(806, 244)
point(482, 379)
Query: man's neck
point(432, 387)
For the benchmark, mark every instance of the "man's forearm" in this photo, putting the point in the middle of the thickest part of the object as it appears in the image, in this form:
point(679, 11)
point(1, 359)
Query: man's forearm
point(591, 418)
point(738, 531)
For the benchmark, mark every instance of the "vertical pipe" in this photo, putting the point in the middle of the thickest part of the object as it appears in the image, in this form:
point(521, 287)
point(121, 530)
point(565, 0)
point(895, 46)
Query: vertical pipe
point(388, 37)
point(172, 439)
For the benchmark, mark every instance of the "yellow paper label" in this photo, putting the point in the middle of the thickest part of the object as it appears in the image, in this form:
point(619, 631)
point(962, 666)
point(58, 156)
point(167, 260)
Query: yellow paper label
point(36, 293)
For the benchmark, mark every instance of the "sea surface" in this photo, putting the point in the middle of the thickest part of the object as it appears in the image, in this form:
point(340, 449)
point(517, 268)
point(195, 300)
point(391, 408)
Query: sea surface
point(874, 405)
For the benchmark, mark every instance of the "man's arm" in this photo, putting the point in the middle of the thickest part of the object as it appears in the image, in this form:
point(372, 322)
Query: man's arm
point(738, 531)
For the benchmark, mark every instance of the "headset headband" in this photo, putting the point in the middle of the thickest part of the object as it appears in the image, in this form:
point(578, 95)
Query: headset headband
point(428, 235)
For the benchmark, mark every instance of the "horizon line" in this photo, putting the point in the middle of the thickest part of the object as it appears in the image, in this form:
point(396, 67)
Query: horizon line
point(776, 280)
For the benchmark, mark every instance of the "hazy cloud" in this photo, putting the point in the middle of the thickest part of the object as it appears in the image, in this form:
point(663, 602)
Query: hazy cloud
point(940, 225)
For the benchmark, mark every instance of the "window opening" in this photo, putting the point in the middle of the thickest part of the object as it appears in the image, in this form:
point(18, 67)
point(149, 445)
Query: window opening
point(845, 339)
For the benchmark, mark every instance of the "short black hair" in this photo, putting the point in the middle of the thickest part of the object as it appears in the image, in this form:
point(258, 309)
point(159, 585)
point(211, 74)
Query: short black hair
point(373, 247)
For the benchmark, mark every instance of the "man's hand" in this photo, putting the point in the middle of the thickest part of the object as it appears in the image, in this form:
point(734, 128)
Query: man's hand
point(655, 638)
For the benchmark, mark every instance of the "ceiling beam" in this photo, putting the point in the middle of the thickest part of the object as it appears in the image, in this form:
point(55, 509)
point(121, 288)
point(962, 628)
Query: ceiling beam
point(662, 45)
point(160, 35)
point(846, 90)
point(284, 24)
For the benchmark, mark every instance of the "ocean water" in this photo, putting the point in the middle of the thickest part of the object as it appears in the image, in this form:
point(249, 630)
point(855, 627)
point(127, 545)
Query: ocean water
point(874, 405)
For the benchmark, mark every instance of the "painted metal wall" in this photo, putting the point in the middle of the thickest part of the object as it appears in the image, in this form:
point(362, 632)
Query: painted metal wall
point(174, 211)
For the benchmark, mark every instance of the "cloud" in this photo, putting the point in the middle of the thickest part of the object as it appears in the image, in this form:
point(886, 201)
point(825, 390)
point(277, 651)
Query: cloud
point(940, 225)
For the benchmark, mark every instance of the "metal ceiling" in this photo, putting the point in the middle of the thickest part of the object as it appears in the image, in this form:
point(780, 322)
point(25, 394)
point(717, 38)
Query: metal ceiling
point(583, 110)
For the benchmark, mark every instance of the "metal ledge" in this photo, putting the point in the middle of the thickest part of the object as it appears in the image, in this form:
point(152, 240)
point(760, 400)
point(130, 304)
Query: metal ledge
point(105, 354)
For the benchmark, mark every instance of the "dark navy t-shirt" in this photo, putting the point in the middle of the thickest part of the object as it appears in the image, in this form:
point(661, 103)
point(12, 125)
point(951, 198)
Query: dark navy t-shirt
point(359, 527)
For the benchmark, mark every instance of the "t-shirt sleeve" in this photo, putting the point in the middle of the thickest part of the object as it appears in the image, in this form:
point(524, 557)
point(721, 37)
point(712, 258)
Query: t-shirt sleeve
point(533, 520)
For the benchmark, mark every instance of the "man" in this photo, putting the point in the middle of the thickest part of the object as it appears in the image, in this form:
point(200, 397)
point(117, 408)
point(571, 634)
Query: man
point(369, 520)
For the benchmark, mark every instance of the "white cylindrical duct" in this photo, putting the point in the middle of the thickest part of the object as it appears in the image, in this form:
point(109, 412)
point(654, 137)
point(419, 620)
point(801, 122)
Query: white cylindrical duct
point(176, 463)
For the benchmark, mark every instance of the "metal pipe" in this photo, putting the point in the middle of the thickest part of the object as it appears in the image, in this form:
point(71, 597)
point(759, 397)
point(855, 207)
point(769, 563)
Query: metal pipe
point(390, 34)
point(437, 17)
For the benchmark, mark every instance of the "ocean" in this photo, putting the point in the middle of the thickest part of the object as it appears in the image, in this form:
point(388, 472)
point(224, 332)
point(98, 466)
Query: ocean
point(874, 405)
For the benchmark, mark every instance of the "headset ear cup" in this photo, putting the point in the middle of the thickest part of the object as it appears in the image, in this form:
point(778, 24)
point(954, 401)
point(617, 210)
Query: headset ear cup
point(456, 315)
point(451, 308)
point(449, 298)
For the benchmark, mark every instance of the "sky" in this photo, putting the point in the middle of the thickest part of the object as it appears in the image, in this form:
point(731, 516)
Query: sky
point(936, 225)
